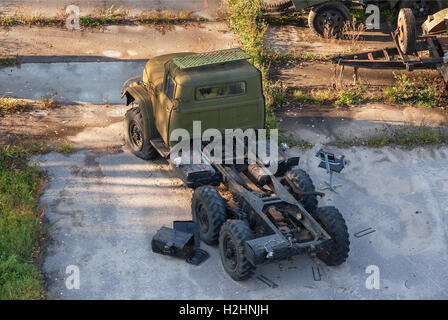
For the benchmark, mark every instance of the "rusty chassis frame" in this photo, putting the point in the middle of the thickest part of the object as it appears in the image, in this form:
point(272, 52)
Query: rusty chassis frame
point(268, 212)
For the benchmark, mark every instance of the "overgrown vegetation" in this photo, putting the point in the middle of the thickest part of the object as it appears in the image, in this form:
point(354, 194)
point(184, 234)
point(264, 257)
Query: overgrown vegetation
point(297, 17)
point(246, 20)
point(12, 105)
point(109, 16)
point(352, 95)
point(419, 89)
point(66, 148)
point(47, 102)
point(296, 57)
point(20, 231)
point(316, 96)
point(389, 15)
point(423, 89)
point(358, 13)
point(348, 96)
point(290, 141)
point(8, 62)
point(405, 136)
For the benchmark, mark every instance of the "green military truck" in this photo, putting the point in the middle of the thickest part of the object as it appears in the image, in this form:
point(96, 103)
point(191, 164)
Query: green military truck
point(271, 215)
point(328, 17)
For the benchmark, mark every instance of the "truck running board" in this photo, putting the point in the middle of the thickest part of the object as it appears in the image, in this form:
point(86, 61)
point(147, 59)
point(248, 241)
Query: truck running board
point(161, 147)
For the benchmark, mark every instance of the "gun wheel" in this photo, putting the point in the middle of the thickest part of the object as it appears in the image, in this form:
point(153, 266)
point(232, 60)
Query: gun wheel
point(407, 33)
point(232, 237)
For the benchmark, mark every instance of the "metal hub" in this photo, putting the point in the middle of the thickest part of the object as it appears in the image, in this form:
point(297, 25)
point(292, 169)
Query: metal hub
point(136, 135)
point(331, 19)
point(203, 219)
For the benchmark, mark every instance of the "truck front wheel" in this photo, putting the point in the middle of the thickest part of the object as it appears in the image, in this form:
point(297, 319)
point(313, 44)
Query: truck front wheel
point(328, 19)
point(135, 135)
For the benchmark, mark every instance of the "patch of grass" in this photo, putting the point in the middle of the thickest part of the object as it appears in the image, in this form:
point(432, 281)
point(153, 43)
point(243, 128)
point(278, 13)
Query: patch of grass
point(20, 189)
point(389, 15)
point(358, 13)
point(8, 62)
point(22, 20)
point(316, 96)
point(12, 105)
point(350, 96)
point(66, 148)
point(422, 89)
point(295, 17)
point(409, 137)
point(110, 16)
point(88, 21)
point(286, 59)
point(292, 142)
point(47, 103)
point(275, 93)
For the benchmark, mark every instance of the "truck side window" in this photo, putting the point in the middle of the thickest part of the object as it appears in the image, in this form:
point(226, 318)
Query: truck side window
point(219, 91)
point(169, 87)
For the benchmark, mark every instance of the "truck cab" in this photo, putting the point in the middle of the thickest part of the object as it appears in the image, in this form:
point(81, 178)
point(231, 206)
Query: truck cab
point(222, 89)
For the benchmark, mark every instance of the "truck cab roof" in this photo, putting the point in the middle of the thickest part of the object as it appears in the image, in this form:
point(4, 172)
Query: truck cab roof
point(191, 69)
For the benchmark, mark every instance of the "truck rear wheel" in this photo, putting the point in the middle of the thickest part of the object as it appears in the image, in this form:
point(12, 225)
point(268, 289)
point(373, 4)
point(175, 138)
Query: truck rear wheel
point(233, 235)
point(332, 221)
point(209, 213)
point(303, 182)
point(135, 136)
point(328, 19)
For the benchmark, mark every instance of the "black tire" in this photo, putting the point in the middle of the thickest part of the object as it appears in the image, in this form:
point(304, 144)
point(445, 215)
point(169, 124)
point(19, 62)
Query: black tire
point(233, 235)
point(331, 14)
point(407, 31)
point(135, 137)
point(275, 5)
point(209, 213)
point(303, 182)
point(332, 221)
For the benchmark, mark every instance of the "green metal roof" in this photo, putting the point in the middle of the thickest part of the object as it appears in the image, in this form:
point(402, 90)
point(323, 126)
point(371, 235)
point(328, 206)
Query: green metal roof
point(210, 58)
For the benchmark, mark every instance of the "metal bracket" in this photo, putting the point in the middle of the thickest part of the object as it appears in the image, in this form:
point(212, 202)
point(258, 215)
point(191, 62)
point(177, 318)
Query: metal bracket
point(364, 232)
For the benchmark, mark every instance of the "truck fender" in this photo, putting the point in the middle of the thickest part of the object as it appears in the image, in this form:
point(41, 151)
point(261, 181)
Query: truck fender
point(141, 95)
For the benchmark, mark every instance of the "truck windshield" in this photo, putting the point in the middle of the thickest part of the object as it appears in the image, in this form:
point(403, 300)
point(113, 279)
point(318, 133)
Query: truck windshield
point(221, 90)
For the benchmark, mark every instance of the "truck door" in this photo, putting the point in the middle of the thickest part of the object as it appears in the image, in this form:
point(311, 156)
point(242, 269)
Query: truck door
point(164, 106)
